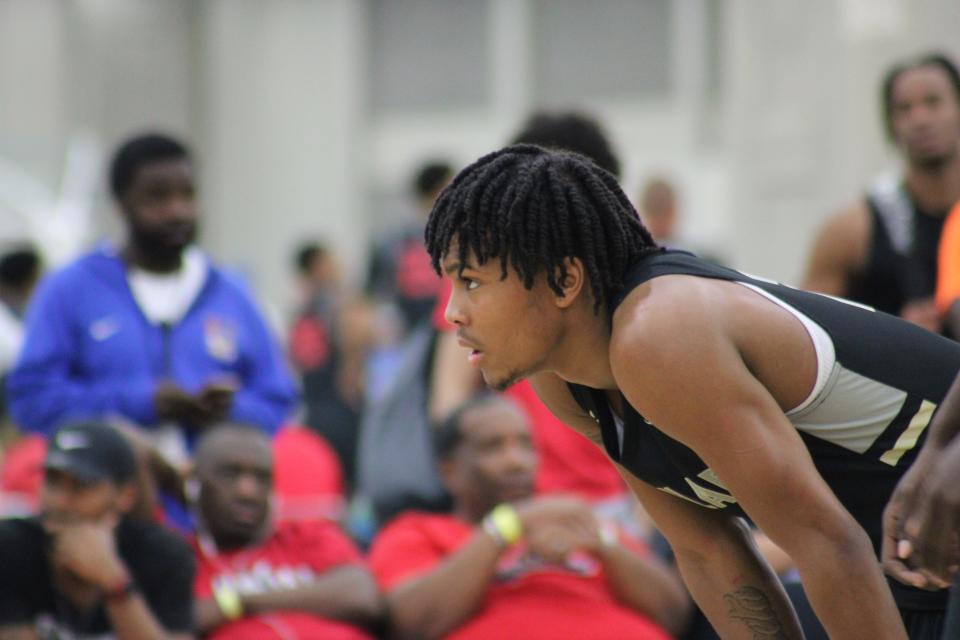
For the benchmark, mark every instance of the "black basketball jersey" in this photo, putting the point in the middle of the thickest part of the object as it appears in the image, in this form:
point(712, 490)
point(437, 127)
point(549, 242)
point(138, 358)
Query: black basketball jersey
point(901, 262)
point(863, 425)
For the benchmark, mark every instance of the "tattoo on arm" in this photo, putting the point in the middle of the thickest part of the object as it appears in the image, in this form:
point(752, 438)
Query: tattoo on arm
point(752, 607)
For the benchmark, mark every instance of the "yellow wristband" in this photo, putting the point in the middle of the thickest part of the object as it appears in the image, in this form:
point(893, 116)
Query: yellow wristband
point(507, 523)
point(229, 602)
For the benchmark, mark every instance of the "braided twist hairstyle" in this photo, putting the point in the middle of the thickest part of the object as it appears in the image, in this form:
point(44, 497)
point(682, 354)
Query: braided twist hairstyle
point(532, 209)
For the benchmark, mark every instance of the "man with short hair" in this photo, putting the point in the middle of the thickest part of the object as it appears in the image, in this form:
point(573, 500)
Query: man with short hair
point(327, 344)
point(718, 394)
point(85, 567)
point(508, 564)
point(257, 578)
point(882, 250)
point(150, 330)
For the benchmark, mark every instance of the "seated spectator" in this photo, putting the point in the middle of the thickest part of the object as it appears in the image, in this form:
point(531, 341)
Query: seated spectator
point(257, 579)
point(150, 330)
point(86, 567)
point(538, 567)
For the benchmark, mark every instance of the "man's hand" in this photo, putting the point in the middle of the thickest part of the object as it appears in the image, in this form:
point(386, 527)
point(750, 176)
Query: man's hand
point(216, 399)
point(210, 405)
point(555, 542)
point(174, 403)
point(932, 524)
point(895, 515)
point(557, 525)
point(553, 510)
point(88, 551)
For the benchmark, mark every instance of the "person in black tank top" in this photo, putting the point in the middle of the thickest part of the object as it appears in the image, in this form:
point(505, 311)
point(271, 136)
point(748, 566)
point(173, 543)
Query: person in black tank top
point(882, 251)
point(901, 259)
point(717, 394)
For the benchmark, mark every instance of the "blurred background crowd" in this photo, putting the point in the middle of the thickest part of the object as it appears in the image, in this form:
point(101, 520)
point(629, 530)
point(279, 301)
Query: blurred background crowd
point(211, 218)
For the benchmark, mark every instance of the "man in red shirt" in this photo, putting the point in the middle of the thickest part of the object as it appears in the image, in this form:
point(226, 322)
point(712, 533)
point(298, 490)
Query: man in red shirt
point(256, 579)
point(504, 564)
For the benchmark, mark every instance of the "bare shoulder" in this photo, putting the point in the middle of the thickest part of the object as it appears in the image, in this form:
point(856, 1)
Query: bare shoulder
point(665, 312)
point(674, 340)
point(852, 221)
point(839, 250)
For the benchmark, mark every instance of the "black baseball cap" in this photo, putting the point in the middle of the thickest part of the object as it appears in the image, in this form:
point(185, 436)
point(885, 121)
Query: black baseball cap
point(91, 451)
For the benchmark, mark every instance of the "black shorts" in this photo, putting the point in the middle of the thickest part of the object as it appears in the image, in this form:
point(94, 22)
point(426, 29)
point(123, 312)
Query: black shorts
point(951, 628)
point(924, 625)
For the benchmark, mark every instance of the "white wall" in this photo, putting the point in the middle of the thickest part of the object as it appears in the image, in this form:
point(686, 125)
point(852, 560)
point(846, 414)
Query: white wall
point(275, 97)
point(281, 132)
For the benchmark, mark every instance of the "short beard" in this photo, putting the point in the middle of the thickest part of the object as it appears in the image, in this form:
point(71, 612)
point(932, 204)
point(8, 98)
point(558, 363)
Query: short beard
point(505, 384)
point(502, 385)
point(937, 164)
point(152, 246)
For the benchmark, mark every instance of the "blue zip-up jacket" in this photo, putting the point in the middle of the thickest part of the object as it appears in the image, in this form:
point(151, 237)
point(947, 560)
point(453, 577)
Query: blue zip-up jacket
point(90, 351)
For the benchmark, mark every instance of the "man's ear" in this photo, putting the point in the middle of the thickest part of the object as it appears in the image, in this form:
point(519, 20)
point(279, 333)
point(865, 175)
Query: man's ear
point(572, 283)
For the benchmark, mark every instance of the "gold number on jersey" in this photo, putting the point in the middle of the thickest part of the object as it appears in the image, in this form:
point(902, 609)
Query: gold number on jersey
point(908, 439)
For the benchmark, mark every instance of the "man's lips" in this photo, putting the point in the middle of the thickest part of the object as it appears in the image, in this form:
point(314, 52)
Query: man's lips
point(476, 354)
point(246, 514)
point(466, 343)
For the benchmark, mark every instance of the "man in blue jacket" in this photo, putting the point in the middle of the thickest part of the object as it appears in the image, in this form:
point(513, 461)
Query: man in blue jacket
point(150, 331)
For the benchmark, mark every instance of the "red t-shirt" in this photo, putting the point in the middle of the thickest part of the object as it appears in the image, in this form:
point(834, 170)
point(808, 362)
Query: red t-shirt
point(296, 553)
point(531, 599)
point(568, 461)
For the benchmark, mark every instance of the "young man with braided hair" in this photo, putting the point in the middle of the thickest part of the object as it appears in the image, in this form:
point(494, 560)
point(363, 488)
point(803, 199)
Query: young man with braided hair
point(729, 393)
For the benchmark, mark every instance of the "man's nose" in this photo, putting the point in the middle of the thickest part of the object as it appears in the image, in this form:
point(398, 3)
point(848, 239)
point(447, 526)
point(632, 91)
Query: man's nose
point(519, 457)
point(454, 311)
point(248, 486)
point(182, 208)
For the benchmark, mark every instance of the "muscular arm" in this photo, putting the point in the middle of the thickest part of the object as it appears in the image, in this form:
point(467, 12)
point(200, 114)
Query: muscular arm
point(719, 563)
point(839, 252)
point(345, 593)
point(722, 568)
point(702, 392)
